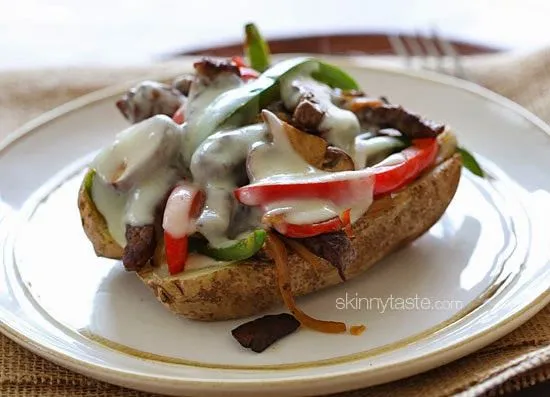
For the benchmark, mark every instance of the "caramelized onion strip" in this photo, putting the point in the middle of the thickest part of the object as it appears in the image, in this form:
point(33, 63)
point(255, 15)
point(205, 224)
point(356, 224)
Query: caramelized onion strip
point(346, 222)
point(304, 253)
point(277, 250)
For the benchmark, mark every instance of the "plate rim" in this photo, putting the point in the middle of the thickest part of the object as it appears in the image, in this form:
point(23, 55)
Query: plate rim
point(445, 354)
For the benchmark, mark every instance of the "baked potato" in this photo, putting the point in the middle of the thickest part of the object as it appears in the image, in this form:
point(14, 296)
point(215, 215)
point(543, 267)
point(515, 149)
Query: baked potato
point(249, 287)
point(268, 182)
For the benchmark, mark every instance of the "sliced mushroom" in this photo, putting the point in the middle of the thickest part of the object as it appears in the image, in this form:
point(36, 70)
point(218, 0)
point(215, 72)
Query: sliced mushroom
point(337, 160)
point(316, 150)
point(311, 147)
point(289, 151)
point(303, 152)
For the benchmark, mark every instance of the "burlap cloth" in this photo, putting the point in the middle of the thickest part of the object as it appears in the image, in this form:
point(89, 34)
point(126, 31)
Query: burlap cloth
point(516, 361)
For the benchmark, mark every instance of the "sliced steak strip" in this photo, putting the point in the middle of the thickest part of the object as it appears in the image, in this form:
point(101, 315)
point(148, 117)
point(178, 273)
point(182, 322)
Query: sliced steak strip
point(308, 114)
point(257, 335)
point(148, 99)
point(409, 124)
point(335, 247)
point(140, 246)
point(210, 69)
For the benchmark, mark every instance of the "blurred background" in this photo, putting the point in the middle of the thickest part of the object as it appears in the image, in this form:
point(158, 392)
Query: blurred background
point(64, 33)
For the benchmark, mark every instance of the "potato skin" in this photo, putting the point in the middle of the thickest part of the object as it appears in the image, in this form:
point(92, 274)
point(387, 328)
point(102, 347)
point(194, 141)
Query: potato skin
point(249, 288)
point(94, 223)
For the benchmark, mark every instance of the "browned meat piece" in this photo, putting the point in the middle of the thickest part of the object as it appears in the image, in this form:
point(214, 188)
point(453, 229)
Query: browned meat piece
point(149, 99)
point(183, 84)
point(140, 246)
point(392, 116)
point(308, 114)
point(210, 69)
point(335, 248)
point(280, 111)
point(257, 335)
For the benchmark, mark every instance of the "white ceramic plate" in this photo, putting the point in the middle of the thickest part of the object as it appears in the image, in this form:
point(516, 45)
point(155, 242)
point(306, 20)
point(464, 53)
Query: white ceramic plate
point(480, 272)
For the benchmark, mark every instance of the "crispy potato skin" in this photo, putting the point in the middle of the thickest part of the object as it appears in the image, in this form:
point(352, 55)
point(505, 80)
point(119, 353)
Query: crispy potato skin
point(248, 288)
point(95, 226)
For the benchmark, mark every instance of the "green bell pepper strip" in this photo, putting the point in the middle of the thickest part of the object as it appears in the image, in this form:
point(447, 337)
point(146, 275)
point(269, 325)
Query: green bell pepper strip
point(239, 250)
point(88, 182)
point(334, 77)
point(256, 48)
point(469, 162)
point(222, 108)
point(325, 73)
point(240, 105)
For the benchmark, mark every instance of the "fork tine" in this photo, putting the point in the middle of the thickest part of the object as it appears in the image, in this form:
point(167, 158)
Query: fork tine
point(416, 49)
point(399, 48)
point(419, 54)
point(449, 51)
point(428, 42)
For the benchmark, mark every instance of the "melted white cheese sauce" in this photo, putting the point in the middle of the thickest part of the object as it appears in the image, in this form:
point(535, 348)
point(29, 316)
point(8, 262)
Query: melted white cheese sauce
point(203, 115)
point(369, 150)
point(303, 212)
point(137, 151)
point(338, 126)
point(111, 204)
point(138, 170)
point(176, 218)
point(147, 159)
point(277, 162)
point(277, 159)
point(144, 198)
point(134, 174)
point(215, 165)
point(199, 262)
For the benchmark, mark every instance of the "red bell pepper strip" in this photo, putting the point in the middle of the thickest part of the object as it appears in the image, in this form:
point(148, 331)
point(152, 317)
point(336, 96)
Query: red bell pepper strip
point(418, 157)
point(179, 116)
point(308, 230)
point(238, 61)
point(182, 207)
point(300, 231)
point(346, 222)
point(248, 73)
point(339, 191)
point(176, 252)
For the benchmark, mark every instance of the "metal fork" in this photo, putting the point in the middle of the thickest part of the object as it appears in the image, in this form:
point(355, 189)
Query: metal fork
point(430, 52)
